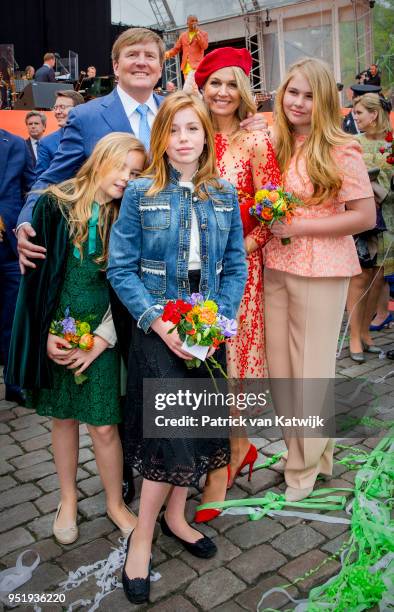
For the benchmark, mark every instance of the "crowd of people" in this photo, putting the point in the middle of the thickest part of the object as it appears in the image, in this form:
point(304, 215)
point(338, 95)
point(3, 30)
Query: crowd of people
point(144, 199)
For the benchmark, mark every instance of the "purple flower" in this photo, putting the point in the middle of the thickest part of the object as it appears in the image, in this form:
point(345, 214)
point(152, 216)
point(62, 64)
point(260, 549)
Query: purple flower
point(228, 327)
point(270, 186)
point(68, 325)
point(195, 298)
point(258, 209)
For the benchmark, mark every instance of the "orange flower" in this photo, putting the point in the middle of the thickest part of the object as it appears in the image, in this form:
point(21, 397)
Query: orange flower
point(86, 342)
point(207, 316)
point(189, 317)
point(191, 332)
point(71, 338)
point(273, 196)
point(266, 214)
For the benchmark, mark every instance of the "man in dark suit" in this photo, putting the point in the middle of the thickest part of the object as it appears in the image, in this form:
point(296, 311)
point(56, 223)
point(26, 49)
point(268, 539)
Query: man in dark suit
point(36, 123)
point(131, 107)
point(65, 100)
point(16, 178)
point(46, 73)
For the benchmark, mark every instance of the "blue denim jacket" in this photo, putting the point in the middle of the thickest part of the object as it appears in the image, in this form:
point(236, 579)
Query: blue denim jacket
point(149, 248)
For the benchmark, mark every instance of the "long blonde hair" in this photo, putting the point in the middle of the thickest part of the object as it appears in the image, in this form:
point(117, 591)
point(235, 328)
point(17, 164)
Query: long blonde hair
point(159, 168)
point(75, 196)
point(325, 132)
point(371, 102)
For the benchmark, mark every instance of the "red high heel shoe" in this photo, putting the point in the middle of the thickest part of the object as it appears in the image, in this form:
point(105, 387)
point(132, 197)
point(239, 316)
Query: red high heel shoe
point(249, 459)
point(203, 516)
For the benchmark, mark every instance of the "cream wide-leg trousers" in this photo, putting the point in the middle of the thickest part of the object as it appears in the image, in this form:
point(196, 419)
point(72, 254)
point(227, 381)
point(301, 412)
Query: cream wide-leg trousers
point(303, 318)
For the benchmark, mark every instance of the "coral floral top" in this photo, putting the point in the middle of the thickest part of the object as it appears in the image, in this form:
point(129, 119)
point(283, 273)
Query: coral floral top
point(322, 256)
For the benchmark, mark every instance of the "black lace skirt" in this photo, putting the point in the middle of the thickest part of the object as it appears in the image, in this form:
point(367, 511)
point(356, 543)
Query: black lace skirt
point(178, 461)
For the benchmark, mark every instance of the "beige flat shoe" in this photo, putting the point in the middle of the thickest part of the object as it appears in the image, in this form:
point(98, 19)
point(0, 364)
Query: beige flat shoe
point(294, 495)
point(125, 531)
point(64, 535)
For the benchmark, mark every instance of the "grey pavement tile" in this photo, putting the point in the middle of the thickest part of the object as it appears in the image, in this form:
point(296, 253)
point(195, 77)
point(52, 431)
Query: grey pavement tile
point(251, 596)
point(6, 440)
point(92, 507)
point(6, 483)
point(177, 603)
point(91, 486)
point(297, 540)
point(37, 443)
point(250, 565)
point(214, 588)
point(14, 539)
point(28, 433)
point(84, 555)
point(49, 502)
point(5, 467)
point(253, 533)
point(174, 575)
point(47, 549)
point(51, 483)
point(29, 420)
point(17, 515)
point(9, 452)
point(304, 564)
point(44, 578)
point(34, 472)
point(22, 493)
point(32, 458)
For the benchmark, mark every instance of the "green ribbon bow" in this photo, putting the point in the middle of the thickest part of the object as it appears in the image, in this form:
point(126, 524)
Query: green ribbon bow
point(92, 225)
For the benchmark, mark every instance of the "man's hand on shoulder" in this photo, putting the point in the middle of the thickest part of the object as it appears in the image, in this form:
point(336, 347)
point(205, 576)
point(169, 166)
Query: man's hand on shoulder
point(26, 249)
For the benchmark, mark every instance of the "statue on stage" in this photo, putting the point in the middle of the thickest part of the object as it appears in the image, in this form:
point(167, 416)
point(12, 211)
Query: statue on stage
point(192, 44)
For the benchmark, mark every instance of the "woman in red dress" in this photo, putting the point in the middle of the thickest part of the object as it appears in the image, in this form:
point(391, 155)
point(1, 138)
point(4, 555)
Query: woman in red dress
point(247, 160)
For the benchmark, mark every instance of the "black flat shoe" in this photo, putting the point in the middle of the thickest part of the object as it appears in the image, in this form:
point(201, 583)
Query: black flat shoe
point(204, 548)
point(136, 589)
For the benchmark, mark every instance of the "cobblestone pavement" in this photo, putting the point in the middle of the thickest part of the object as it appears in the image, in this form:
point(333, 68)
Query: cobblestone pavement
point(252, 557)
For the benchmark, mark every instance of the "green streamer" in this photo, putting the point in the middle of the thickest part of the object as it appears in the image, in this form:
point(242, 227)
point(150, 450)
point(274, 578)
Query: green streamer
point(366, 578)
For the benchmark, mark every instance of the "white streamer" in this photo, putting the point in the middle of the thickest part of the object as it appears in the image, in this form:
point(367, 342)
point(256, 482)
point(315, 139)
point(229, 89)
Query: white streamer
point(104, 573)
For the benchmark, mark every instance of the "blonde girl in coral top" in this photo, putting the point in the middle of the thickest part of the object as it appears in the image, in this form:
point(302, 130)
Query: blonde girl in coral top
point(306, 281)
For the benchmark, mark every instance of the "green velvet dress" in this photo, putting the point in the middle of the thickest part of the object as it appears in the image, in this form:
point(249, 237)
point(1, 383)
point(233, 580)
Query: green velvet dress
point(96, 401)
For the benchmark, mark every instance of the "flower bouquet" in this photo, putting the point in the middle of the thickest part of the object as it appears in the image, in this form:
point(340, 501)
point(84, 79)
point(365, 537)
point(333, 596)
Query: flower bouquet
point(200, 325)
point(388, 148)
point(273, 203)
point(77, 333)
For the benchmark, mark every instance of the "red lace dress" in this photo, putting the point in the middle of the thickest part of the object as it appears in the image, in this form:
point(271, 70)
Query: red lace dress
point(248, 162)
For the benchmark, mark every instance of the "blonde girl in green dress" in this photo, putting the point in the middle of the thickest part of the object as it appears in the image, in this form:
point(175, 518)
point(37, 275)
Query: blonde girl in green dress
point(73, 221)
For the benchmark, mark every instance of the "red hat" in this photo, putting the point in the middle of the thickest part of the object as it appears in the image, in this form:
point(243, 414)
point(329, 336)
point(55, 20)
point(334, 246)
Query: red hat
point(222, 58)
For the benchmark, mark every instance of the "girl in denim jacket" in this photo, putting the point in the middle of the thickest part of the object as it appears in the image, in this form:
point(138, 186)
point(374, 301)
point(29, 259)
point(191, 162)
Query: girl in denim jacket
point(179, 231)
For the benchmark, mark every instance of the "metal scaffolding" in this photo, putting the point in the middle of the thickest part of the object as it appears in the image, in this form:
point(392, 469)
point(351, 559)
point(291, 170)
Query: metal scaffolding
point(254, 42)
point(363, 38)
